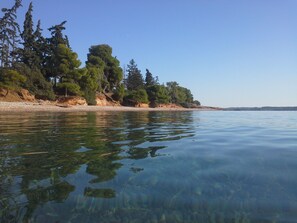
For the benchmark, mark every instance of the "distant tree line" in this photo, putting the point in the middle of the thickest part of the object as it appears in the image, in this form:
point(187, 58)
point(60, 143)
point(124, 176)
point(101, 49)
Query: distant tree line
point(48, 67)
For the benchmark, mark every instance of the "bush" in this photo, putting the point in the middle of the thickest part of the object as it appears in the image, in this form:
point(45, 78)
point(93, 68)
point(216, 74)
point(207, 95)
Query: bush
point(137, 96)
point(11, 78)
point(196, 102)
point(68, 88)
point(119, 93)
point(158, 94)
point(36, 82)
point(90, 96)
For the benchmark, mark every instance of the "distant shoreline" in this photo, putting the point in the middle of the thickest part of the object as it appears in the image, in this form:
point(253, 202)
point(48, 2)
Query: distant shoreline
point(37, 107)
point(265, 108)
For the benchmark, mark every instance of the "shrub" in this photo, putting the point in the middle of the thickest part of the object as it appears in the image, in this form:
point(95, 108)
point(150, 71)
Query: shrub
point(158, 94)
point(11, 78)
point(68, 88)
point(119, 93)
point(137, 96)
point(36, 82)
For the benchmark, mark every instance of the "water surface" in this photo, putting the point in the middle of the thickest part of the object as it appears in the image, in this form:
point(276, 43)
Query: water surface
point(148, 167)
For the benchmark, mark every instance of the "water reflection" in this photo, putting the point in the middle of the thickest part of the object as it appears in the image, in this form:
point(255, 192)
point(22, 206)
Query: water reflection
point(70, 158)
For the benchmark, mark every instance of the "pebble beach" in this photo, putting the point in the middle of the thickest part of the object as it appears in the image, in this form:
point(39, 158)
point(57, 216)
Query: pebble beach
point(47, 107)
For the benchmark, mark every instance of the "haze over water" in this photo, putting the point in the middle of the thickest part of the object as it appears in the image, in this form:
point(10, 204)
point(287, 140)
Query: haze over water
point(148, 167)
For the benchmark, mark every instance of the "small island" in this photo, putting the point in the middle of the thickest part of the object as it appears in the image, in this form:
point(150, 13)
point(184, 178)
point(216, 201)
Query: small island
point(46, 71)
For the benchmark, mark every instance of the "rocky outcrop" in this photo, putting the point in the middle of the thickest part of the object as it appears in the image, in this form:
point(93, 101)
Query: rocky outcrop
point(72, 100)
point(101, 100)
point(16, 96)
point(105, 100)
point(26, 96)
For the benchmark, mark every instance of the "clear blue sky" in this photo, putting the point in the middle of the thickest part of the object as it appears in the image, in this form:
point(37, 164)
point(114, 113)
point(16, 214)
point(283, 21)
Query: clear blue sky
point(228, 52)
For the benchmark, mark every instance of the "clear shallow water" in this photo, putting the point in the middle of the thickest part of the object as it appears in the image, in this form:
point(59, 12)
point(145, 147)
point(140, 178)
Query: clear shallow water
point(148, 167)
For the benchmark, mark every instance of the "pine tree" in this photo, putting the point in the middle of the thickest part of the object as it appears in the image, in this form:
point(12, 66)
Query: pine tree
point(101, 56)
point(40, 48)
point(149, 79)
point(67, 70)
point(28, 56)
point(9, 35)
point(57, 35)
point(134, 79)
point(52, 60)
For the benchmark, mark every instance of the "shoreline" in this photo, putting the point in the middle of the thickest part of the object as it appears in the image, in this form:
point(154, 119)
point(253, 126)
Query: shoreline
point(37, 107)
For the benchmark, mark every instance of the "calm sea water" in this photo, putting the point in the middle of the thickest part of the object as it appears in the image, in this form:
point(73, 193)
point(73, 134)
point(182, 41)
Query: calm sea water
point(148, 167)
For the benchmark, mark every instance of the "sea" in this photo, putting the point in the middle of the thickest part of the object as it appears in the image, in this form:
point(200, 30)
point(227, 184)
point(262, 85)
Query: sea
point(148, 167)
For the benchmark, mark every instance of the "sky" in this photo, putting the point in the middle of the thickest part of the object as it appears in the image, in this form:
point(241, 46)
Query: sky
point(227, 52)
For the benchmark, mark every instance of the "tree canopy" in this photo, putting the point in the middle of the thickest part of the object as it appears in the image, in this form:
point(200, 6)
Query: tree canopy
point(134, 79)
point(48, 67)
point(100, 56)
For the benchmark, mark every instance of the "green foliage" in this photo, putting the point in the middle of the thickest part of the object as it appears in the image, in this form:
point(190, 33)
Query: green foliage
point(95, 66)
point(101, 57)
point(67, 70)
point(119, 93)
point(44, 64)
point(28, 55)
point(196, 102)
point(64, 66)
point(40, 48)
point(36, 83)
point(34, 44)
point(57, 35)
point(158, 94)
point(60, 59)
point(90, 96)
point(68, 88)
point(89, 84)
point(137, 96)
point(188, 94)
point(149, 79)
point(66, 61)
point(134, 79)
point(179, 94)
point(9, 35)
point(11, 78)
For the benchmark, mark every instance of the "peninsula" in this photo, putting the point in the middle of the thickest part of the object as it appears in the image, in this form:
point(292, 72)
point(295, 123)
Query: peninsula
point(46, 70)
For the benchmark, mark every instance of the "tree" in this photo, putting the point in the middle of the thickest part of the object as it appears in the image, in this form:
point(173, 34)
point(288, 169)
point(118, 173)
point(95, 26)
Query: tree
point(134, 79)
point(178, 94)
point(61, 64)
point(173, 91)
point(28, 56)
point(101, 57)
point(196, 102)
point(67, 69)
point(35, 82)
point(9, 34)
point(89, 84)
point(95, 67)
point(188, 95)
point(119, 93)
point(158, 94)
point(34, 44)
point(10, 78)
point(57, 35)
point(40, 48)
point(51, 63)
point(137, 96)
point(149, 79)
